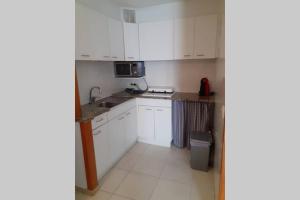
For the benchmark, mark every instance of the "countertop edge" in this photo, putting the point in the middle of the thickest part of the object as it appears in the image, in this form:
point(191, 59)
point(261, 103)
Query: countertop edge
point(178, 96)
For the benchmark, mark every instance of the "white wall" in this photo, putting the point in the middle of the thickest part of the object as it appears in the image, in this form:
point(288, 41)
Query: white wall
point(184, 75)
point(189, 8)
point(92, 73)
point(106, 7)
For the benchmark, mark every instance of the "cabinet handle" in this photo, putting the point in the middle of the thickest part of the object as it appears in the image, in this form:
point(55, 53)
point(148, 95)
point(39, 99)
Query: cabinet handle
point(148, 109)
point(130, 57)
point(128, 113)
point(159, 110)
point(114, 57)
point(121, 118)
point(85, 55)
point(99, 120)
point(200, 55)
point(187, 55)
point(106, 56)
point(97, 133)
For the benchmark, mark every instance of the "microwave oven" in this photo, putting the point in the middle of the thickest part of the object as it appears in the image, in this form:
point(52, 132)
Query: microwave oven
point(127, 69)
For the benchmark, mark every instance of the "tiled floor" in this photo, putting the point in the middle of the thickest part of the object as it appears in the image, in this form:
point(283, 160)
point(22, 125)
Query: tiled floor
point(149, 172)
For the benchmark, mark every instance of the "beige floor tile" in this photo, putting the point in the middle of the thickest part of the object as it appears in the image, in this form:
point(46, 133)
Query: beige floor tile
point(137, 186)
point(201, 193)
point(101, 195)
point(139, 148)
point(157, 152)
point(178, 154)
point(171, 190)
point(202, 178)
point(177, 162)
point(81, 196)
point(181, 175)
point(116, 197)
point(113, 180)
point(150, 166)
point(128, 161)
point(202, 185)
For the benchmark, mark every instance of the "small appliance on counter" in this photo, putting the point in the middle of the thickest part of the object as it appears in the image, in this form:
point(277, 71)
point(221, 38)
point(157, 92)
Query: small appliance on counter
point(165, 92)
point(134, 91)
point(204, 88)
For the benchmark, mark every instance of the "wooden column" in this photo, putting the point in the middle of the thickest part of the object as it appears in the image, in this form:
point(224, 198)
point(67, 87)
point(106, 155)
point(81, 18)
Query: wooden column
point(89, 155)
point(87, 144)
point(222, 173)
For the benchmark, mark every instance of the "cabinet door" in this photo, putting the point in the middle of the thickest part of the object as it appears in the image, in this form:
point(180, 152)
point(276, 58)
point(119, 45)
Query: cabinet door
point(156, 40)
point(100, 36)
point(83, 46)
point(100, 136)
point(146, 123)
point(163, 126)
point(206, 35)
point(131, 41)
point(116, 138)
point(92, 34)
point(131, 127)
point(116, 40)
point(184, 38)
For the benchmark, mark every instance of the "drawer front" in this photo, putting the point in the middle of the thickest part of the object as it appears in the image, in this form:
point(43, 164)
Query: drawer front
point(119, 109)
point(99, 120)
point(154, 102)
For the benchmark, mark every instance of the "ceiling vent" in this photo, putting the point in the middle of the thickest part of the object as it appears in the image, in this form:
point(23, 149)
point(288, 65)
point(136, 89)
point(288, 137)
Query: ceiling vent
point(128, 15)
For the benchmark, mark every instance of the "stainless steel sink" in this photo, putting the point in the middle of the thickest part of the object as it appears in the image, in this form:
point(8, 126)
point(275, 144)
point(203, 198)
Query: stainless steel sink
point(105, 104)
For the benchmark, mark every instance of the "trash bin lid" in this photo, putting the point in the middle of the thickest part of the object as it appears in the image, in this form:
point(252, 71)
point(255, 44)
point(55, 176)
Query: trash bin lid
point(201, 136)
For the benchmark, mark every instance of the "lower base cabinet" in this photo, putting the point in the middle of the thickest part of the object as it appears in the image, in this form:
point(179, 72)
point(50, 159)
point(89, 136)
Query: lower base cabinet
point(102, 151)
point(149, 122)
point(163, 126)
point(130, 128)
point(113, 138)
point(155, 122)
point(116, 138)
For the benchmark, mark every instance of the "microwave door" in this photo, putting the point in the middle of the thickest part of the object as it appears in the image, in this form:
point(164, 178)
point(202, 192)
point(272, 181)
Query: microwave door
point(123, 70)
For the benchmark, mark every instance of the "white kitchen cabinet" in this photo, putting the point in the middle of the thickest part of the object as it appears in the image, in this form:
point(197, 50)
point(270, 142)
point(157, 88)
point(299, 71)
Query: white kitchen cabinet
point(117, 138)
point(184, 38)
point(154, 121)
point(92, 34)
point(163, 126)
point(146, 123)
point(156, 40)
point(205, 36)
point(101, 146)
point(131, 41)
point(116, 34)
point(131, 127)
point(83, 41)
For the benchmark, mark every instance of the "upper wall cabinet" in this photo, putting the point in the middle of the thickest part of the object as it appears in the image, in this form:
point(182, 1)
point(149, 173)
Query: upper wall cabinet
point(156, 40)
point(131, 41)
point(92, 35)
point(205, 36)
point(83, 42)
point(116, 40)
point(184, 38)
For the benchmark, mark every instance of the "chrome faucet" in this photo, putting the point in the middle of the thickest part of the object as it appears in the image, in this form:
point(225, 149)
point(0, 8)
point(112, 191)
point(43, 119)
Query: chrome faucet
point(93, 99)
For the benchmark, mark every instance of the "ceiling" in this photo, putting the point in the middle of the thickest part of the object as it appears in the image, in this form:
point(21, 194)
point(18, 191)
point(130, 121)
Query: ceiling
point(142, 3)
